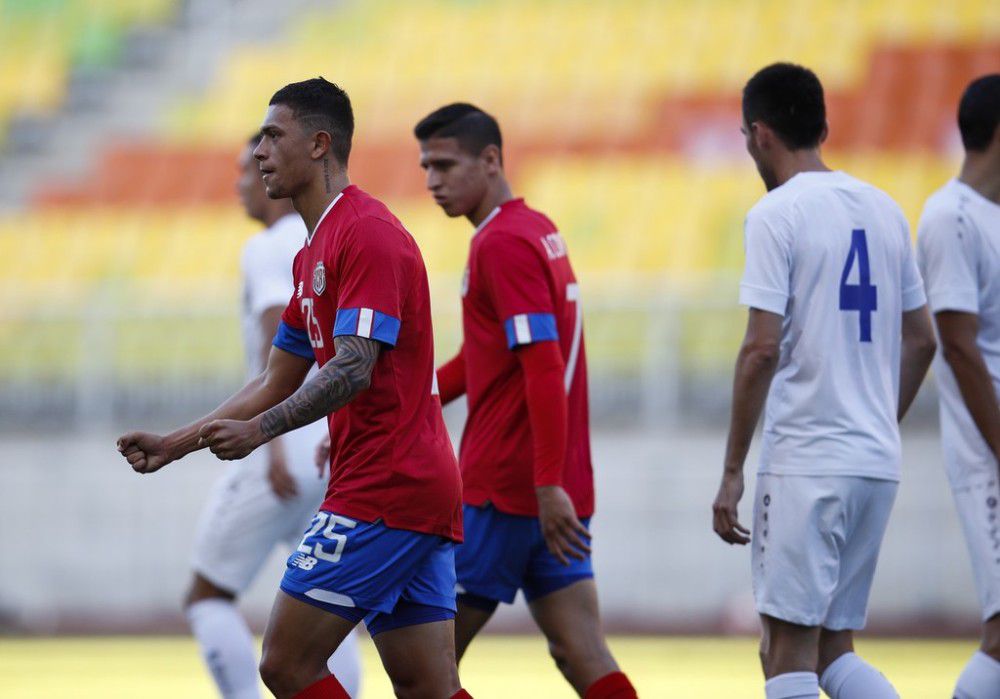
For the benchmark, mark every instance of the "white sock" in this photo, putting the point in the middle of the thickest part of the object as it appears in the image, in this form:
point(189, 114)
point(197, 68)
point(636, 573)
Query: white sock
point(980, 679)
point(850, 677)
point(793, 685)
point(227, 647)
point(345, 665)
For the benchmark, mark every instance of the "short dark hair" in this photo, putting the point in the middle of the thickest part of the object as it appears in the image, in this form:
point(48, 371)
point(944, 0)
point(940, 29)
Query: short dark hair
point(323, 106)
point(789, 99)
point(979, 112)
point(473, 128)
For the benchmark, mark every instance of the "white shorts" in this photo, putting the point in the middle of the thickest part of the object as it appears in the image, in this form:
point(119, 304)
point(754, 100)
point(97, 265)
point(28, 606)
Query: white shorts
point(978, 510)
point(815, 544)
point(243, 519)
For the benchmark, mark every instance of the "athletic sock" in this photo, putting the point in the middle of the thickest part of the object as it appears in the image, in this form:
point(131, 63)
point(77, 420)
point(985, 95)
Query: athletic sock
point(980, 679)
point(850, 677)
point(612, 686)
point(793, 685)
point(326, 688)
point(345, 665)
point(227, 647)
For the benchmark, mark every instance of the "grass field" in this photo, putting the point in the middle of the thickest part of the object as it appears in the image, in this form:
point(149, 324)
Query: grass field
point(497, 667)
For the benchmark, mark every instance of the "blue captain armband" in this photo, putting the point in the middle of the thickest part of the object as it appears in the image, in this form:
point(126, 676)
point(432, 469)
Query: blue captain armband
point(365, 322)
point(526, 328)
point(294, 341)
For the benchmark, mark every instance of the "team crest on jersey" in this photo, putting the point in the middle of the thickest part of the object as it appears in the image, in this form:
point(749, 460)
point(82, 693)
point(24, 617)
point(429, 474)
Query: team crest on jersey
point(319, 279)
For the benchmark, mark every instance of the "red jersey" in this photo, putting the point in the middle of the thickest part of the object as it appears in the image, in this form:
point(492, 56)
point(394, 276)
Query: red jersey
point(361, 273)
point(519, 288)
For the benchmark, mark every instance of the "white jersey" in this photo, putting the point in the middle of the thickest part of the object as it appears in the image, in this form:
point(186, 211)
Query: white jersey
point(266, 267)
point(959, 254)
point(832, 255)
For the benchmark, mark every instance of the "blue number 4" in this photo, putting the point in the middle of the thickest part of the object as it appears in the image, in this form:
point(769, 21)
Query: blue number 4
point(863, 296)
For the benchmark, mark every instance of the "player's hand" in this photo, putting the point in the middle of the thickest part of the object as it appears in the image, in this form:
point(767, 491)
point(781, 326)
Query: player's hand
point(144, 451)
point(565, 535)
point(280, 478)
point(231, 439)
point(323, 455)
point(724, 518)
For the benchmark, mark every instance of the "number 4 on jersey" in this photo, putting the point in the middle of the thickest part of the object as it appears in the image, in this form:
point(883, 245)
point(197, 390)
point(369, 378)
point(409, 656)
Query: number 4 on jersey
point(863, 296)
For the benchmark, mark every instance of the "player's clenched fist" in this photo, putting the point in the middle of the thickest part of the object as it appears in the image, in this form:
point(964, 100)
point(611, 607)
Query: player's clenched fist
point(145, 452)
point(231, 439)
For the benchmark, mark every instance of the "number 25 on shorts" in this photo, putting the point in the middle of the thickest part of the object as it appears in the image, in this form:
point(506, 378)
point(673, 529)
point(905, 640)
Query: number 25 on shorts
point(330, 521)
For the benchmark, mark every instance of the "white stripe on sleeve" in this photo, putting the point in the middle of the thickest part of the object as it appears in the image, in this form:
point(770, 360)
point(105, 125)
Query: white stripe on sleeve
point(522, 331)
point(365, 318)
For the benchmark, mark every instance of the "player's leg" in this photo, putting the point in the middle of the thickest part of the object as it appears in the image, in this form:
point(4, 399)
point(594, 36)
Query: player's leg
point(472, 615)
point(416, 639)
point(978, 504)
point(795, 553)
point(345, 663)
point(489, 566)
point(299, 639)
point(843, 673)
point(241, 522)
point(980, 678)
point(420, 659)
point(570, 619)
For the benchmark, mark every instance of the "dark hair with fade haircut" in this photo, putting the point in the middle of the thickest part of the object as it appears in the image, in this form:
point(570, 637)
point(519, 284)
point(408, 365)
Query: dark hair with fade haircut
point(789, 99)
point(473, 128)
point(323, 106)
point(979, 112)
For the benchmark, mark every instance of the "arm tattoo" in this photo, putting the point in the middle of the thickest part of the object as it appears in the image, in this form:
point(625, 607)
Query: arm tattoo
point(333, 387)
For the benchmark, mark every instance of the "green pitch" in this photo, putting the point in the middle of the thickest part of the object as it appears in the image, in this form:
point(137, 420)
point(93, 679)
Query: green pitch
point(498, 667)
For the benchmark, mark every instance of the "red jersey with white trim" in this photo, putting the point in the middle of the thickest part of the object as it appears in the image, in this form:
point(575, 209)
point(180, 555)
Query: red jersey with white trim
point(361, 273)
point(519, 288)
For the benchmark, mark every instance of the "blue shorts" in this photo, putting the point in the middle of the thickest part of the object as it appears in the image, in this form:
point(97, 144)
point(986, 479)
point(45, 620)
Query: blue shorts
point(389, 577)
point(503, 553)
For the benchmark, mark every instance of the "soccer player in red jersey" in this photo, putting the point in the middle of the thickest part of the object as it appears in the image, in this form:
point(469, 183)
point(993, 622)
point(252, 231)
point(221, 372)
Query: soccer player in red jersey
point(381, 548)
point(525, 456)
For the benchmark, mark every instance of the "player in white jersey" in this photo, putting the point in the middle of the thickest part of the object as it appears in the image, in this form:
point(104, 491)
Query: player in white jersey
point(838, 341)
point(959, 254)
point(270, 496)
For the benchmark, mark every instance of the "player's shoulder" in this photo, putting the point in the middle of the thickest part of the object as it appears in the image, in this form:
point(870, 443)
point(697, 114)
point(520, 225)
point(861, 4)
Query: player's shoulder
point(513, 225)
point(942, 209)
point(369, 219)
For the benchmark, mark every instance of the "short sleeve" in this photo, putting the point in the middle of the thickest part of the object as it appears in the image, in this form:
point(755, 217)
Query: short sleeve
point(767, 274)
point(516, 279)
point(373, 270)
point(948, 264)
point(268, 275)
point(292, 335)
point(912, 283)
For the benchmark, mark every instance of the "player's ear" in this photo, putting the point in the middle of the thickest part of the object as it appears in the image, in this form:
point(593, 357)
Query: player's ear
point(320, 145)
point(825, 132)
point(491, 157)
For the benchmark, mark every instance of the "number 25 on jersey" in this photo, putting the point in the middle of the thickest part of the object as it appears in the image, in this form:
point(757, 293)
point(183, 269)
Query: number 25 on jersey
point(863, 296)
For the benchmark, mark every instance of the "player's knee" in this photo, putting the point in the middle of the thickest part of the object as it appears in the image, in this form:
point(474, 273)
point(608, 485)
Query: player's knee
point(280, 674)
point(581, 655)
point(201, 589)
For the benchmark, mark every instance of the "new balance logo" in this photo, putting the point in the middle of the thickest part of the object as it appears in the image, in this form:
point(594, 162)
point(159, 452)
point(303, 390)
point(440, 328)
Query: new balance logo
point(304, 562)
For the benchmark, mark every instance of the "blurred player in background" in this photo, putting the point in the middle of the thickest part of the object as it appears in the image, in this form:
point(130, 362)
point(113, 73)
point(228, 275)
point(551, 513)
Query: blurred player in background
point(838, 341)
point(959, 254)
point(525, 456)
point(381, 548)
point(268, 498)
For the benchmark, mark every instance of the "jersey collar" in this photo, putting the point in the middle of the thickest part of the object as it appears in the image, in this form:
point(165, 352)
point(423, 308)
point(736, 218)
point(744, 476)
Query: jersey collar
point(489, 217)
point(328, 208)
